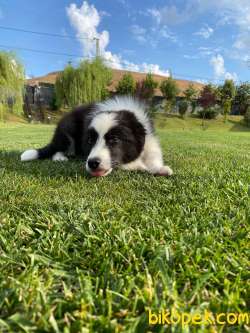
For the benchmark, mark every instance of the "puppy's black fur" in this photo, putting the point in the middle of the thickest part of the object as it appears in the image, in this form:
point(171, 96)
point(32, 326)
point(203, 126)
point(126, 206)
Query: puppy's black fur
point(125, 140)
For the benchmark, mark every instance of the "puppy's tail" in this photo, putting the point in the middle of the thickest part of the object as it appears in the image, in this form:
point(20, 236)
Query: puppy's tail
point(35, 154)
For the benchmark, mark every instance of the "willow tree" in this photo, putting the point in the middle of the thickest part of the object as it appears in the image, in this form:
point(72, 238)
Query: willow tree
point(86, 83)
point(12, 80)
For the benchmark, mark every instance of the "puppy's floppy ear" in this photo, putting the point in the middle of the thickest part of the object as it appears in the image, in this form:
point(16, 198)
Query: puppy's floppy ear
point(128, 119)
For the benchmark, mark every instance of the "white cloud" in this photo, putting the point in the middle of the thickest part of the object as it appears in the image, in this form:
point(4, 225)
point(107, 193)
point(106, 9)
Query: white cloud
point(243, 41)
point(86, 20)
point(139, 33)
point(190, 57)
point(202, 81)
point(231, 76)
point(205, 32)
point(152, 68)
point(233, 12)
point(152, 35)
point(164, 32)
point(207, 51)
point(227, 10)
point(218, 64)
point(169, 15)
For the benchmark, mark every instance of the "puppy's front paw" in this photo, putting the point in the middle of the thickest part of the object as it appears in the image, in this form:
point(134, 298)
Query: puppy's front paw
point(59, 157)
point(164, 171)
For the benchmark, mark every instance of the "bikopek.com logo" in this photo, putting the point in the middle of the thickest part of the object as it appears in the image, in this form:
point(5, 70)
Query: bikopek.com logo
point(173, 317)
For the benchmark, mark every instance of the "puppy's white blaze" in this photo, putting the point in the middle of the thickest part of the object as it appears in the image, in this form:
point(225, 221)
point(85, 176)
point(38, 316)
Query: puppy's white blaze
point(59, 157)
point(121, 103)
point(29, 155)
point(101, 151)
point(102, 123)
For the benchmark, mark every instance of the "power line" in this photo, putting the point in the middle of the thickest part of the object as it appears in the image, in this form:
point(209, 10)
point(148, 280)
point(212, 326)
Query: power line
point(94, 39)
point(45, 33)
point(43, 51)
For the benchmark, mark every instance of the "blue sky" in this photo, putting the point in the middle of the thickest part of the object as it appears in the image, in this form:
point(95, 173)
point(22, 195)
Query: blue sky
point(194, 39)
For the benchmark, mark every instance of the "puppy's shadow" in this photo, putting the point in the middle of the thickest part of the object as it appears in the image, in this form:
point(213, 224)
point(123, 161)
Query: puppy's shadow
point(74, 168)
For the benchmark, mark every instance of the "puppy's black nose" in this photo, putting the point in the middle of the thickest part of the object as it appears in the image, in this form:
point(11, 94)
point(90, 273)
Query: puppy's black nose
point(94, 163)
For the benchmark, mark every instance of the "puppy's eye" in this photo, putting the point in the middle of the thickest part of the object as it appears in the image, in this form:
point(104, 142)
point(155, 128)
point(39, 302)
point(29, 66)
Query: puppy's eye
point(112, 140)
point(91, 136)
point(90, 140)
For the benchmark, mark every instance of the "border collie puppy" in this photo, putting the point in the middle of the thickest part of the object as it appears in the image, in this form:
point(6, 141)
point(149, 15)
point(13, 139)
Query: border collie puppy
point(115, 133)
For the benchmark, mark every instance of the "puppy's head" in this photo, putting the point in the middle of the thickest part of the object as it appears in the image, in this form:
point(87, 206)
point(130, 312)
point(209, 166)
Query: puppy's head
point(114, 138)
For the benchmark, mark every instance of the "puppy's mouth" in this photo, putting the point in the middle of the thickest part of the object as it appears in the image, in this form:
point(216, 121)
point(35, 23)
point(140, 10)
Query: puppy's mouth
point(100, 172)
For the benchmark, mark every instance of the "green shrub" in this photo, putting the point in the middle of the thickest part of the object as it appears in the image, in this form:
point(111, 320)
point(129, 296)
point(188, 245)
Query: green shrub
point(182, 108)
point(227, 106)
point(170, 90)
point(247, 116)
point(145, 88)
point(152, 111)
point(209, 113)
point(127, 85)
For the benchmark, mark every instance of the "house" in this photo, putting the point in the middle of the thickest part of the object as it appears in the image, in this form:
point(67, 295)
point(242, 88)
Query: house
point(41, 89)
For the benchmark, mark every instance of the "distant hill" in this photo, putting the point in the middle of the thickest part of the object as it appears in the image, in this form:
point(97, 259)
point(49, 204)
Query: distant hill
point(117, 75)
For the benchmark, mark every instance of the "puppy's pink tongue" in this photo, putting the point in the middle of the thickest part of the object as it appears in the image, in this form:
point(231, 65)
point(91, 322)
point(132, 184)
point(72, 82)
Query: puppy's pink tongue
point(98, 173)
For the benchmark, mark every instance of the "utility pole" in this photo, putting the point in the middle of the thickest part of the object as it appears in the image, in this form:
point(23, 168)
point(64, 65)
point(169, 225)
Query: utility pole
point(97, 43)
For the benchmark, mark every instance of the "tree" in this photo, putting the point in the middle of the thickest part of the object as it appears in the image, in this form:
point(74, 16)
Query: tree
point(145, 89)
point(208, 96)
point(169, 90)
point(85, 84)
point(183, 106)
point(227, 94)
point(227, 106)
point(207, 100)
point(247, 116)
point(12, 80)
point(228, 90)
point(242, 98)
point(193, 105)
point(126, 86)
point(190, 95)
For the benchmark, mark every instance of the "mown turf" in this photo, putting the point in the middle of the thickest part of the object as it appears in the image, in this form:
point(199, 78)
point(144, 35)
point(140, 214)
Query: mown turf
point(79, 254)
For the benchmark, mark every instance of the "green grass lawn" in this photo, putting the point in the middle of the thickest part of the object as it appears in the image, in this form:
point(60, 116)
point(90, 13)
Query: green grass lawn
point(80, 254)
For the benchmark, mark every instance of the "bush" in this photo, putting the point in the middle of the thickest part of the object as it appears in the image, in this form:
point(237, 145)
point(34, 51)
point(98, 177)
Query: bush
point(242, 98)
point(152, 111)
point(209, 113)
point(227, 106)
point(247, 116)
point(145, 88)
point(126, 86)
point(182, 108)
point(169, 91)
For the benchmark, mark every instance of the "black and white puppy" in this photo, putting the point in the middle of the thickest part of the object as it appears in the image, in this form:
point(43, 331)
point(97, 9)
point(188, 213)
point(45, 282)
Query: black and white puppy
point(115, 133)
